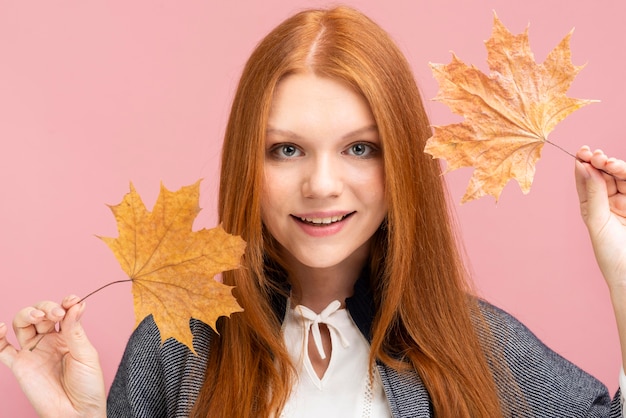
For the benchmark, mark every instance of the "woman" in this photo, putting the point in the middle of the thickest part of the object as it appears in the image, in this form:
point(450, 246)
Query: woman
point(340, 208)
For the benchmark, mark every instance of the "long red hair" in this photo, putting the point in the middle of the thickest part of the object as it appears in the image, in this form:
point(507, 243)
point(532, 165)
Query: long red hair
point(424, 319)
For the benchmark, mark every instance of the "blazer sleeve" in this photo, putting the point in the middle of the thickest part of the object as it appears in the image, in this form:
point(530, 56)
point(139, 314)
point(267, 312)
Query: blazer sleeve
point(157, 380)
point(540, 382)
point(138, 389)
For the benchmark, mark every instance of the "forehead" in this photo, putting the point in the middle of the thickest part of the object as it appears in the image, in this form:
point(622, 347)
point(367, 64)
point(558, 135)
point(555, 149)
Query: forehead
point(309, 102)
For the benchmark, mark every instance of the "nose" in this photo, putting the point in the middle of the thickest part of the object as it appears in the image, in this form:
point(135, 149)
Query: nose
point(323, 178)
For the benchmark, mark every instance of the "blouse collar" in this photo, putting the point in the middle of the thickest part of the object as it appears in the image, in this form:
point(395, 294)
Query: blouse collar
point(360, 304)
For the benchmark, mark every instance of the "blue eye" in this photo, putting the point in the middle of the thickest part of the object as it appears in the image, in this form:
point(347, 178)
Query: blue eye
point(361, 149)
point(288, 150)
point(284, 151)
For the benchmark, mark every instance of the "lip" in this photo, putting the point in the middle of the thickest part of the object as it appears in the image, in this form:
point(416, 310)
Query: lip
point(322, 229)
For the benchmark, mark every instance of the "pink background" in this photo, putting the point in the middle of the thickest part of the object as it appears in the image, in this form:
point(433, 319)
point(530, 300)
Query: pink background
point(96, 94)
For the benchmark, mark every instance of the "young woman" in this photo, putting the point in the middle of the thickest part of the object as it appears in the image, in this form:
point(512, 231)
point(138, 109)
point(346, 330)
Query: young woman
point(355, 299)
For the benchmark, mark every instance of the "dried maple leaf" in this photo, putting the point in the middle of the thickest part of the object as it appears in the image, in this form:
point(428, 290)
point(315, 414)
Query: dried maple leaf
point(508, 114)
point(172, 268)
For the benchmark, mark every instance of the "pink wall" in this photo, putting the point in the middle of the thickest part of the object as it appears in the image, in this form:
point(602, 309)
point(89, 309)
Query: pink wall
point(96, 94)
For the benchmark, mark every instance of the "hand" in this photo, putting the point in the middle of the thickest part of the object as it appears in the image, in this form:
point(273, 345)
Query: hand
point(603, 208)
point(58, 369)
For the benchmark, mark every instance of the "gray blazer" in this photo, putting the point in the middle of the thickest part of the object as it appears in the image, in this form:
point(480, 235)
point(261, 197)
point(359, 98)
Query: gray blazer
point(155, 380)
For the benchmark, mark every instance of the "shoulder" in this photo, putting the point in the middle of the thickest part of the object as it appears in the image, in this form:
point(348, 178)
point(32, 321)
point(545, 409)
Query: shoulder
point(524, 365)
point(144, 348)
point(159, 379)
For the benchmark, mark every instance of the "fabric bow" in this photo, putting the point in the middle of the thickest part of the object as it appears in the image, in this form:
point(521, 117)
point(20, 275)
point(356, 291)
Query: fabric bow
point(313, 321)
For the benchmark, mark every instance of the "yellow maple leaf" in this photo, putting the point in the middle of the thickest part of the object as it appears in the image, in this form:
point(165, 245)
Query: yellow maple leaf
point(172, 268)
point(508, 114)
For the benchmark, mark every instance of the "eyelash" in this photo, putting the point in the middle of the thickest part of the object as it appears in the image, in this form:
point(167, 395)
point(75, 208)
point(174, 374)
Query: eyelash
point(371, 152)
point(276, 150)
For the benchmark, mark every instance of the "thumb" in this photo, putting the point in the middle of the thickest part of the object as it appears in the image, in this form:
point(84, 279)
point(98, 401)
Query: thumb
point(7, 351)
point(76, 339)
point(592, 194)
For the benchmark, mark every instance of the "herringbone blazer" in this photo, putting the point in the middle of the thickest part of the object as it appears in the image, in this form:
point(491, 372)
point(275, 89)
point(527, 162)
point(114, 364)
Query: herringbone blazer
point(155, 380)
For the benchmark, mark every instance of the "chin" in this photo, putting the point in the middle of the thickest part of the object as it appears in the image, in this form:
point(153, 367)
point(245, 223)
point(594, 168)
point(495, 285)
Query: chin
point(327, 260)
point(319, 263)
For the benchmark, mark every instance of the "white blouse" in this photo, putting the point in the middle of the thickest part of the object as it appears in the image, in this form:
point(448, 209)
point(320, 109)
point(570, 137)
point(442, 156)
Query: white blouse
point(345, 390)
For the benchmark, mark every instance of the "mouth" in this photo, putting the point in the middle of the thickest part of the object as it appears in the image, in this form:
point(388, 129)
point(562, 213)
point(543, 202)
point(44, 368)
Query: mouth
point(325, 221)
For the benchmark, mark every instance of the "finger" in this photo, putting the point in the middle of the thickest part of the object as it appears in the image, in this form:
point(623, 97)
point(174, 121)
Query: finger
point(602, 161)
point(614, 169)
point(592, 194)
point(53, 314)
point(7, 351)
point(582, 176)
point(70, 301)
point(598, 159)
point(38, 319)
point(584, 153)
point(618, 169)
point(24, 324)
point(78, 343)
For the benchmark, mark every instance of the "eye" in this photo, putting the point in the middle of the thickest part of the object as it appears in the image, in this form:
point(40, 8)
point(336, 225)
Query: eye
point(285, 151)
point(362, 150)
point(288, 150)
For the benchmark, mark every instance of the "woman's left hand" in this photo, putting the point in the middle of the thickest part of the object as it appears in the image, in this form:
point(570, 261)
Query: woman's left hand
point(603, 208)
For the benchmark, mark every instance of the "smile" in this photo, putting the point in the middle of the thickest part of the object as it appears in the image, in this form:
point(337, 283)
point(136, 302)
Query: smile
point(323, 221)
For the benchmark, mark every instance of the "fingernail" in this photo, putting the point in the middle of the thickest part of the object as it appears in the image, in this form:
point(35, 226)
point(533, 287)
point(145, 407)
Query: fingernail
point(58, 312)
point(70, 299)
point(37, 314)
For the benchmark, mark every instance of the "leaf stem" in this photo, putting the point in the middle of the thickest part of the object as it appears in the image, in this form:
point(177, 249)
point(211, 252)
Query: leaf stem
point(564, 150)
point(582, 161)
point(85, 297)
point(105, 286)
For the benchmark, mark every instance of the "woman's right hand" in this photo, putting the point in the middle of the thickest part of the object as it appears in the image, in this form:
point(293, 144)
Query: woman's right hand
point(56, 366)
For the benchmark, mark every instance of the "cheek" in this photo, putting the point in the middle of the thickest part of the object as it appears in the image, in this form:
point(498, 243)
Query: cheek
point(371, 183)
point(377, 197)
point(275, 195)
point(272, 187)
point(268, 212)
point(267, 209)
point(378, 180)
point(266, 198)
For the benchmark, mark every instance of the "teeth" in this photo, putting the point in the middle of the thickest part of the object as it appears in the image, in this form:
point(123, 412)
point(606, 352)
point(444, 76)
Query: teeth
point(323, 221)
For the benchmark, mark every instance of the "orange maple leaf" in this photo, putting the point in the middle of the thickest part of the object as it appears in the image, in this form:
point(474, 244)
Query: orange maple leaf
point(172, 268)
point(508, 114)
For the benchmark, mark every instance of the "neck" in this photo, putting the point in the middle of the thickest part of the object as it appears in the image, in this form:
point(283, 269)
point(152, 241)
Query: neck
point(315, 288)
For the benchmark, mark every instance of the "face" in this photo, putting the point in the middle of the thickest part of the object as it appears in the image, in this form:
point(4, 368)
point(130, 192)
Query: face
point(323, 195)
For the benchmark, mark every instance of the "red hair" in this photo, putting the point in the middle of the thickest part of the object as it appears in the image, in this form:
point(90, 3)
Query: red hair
point(424, 315)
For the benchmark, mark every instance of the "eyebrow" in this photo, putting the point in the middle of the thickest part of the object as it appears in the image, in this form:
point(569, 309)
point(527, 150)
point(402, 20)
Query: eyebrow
point(293, 135)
